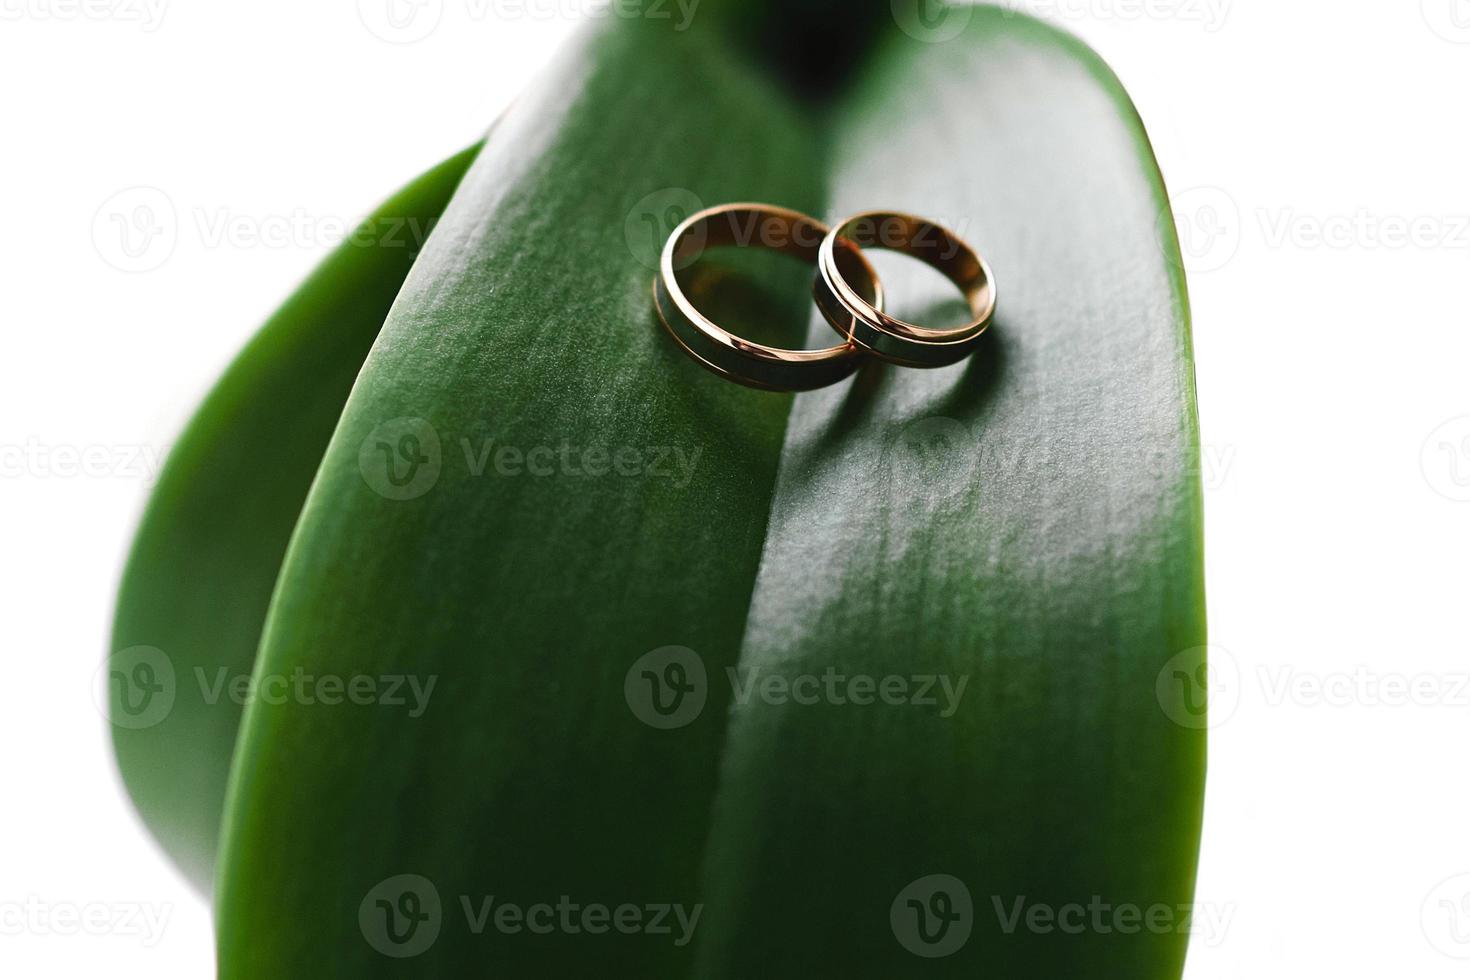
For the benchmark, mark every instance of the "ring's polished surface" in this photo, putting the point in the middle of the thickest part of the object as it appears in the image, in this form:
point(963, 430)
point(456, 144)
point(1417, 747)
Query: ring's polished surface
point(749, 363)
point(865, 323)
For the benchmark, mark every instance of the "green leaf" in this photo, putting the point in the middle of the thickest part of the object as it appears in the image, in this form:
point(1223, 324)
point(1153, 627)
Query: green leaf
point(205, 560)
point(1026, 523)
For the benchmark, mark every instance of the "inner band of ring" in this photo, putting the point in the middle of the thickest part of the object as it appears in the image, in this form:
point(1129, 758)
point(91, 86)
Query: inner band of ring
point(865, 323)
point(745, 361)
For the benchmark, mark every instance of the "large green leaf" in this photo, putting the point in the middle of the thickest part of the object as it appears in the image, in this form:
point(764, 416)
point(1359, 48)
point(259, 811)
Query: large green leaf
point(1026, 524)
point(206, 558)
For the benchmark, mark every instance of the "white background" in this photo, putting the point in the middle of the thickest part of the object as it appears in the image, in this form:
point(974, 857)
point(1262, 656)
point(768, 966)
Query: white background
point(1317, 153)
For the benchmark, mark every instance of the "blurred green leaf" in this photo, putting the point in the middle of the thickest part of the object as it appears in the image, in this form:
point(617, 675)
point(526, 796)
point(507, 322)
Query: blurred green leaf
point(206, 558)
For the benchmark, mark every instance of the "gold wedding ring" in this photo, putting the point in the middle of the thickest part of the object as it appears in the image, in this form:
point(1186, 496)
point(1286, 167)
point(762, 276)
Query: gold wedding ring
point(865, 324)
point(734, 357)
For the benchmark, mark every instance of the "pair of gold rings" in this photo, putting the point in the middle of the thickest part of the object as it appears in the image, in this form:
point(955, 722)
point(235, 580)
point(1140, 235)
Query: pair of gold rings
point(846, 289)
